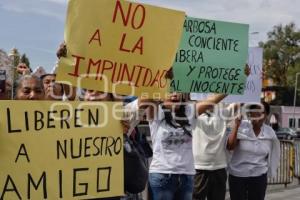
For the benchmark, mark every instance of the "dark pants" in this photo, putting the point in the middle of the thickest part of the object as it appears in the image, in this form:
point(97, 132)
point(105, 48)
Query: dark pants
point(248, 188)
point(210, 184)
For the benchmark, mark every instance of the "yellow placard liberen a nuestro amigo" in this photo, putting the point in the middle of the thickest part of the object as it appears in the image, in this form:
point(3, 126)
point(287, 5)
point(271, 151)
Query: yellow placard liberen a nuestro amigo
point(56, 150)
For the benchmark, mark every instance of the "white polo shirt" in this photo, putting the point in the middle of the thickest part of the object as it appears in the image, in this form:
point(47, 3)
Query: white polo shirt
point(209, 139)
point(255, 155)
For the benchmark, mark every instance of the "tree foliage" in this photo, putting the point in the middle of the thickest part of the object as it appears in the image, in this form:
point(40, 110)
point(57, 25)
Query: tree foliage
point(25, 59)
point(282, 54)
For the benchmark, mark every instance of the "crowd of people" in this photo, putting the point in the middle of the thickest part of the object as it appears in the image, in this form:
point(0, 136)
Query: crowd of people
point(195, 144)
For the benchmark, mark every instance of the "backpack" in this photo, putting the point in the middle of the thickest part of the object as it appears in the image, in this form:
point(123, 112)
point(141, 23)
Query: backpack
point(135, 163)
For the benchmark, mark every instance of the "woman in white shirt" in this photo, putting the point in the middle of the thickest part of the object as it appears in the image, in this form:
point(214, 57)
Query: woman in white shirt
point(209, 141)
point(171, 122)
point(256, 153)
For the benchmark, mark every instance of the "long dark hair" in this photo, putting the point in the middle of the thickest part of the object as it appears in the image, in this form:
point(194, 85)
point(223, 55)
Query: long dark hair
point(180, 118)
point(263, 105)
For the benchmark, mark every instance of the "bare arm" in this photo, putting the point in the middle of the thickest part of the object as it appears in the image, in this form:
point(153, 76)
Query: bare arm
point(232, 140)
point(149, 106)
point(202, 106)
point(234, 108)
point(210, 102)
point(69, 90)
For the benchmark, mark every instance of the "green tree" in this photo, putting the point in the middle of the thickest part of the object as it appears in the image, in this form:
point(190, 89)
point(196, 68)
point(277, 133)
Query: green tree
point(291, 75)
point(282, 54)
point(25, 59)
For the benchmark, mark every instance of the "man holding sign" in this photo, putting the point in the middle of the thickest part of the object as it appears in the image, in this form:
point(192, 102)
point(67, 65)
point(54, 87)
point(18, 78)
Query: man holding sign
point(211, 59)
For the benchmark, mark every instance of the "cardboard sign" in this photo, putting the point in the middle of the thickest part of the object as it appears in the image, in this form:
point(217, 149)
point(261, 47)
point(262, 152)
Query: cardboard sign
point(60, 150)
point(253, 84)
point(119, 46)
point(211, 57)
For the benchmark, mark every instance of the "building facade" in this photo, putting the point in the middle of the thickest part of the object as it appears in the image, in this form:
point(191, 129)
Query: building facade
point(286, 116)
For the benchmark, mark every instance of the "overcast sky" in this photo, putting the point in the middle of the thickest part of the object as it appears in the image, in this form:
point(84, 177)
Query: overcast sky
point(36, 27)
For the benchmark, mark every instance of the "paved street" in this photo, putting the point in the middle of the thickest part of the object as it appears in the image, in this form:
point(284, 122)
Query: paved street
point(279, 192)
point(285, 194)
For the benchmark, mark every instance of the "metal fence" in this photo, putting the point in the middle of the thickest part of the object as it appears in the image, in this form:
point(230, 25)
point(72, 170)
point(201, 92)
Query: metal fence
point(297, 158)
point(289, 165)
point(286, 166)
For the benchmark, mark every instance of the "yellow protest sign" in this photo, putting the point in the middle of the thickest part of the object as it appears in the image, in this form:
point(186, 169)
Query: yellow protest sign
point(56, 150)
point(120, 47)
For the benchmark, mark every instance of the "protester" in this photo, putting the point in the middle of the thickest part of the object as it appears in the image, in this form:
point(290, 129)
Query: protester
point(256, 154)
point(23, 69)
point(209, 141)
point(209, 144)
point(29, 87)
point(53, 91)
point(5, 87)
point(171, 122)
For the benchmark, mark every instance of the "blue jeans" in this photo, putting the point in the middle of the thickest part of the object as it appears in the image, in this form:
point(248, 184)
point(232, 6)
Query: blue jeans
point(171, 186)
